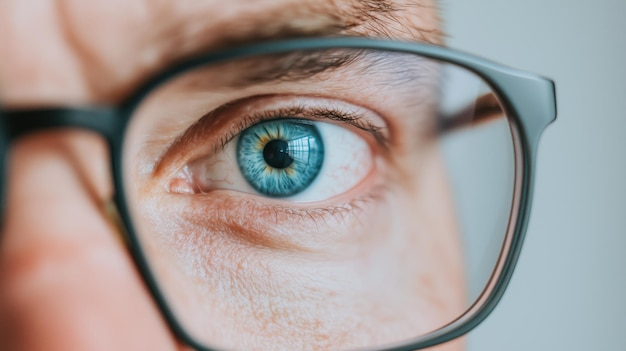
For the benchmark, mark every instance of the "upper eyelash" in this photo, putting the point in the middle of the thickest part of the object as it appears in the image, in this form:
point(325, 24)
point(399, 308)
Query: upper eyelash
point(299, 111)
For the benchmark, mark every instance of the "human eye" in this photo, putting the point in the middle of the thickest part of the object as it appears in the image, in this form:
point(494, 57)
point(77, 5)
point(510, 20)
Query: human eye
point(293, 153)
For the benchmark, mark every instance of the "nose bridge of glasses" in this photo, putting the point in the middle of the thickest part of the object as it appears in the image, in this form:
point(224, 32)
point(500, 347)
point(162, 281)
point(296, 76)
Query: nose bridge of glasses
point(17, 123)
point(83, 155)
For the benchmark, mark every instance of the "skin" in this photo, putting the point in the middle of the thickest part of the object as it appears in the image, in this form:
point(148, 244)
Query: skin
point(59, 255)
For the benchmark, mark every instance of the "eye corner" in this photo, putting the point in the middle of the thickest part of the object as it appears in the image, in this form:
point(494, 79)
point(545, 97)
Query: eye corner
point(180, 186)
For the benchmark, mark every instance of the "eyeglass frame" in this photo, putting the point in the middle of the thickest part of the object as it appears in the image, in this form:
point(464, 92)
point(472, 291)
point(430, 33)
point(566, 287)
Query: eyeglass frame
point(529, 101)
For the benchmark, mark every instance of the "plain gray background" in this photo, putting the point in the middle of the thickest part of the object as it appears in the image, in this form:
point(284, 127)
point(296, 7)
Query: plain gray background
point(569, 289)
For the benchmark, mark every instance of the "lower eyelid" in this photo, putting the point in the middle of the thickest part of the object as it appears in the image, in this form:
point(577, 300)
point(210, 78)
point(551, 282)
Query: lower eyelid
point(241, 219)
point(197, 186)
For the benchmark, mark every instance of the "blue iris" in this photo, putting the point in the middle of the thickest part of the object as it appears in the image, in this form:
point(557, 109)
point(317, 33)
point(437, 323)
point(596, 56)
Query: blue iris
point(280, 158)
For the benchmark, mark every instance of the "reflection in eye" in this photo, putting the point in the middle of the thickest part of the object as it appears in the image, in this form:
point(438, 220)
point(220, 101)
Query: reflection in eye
point(280, 158)
point(293, 158)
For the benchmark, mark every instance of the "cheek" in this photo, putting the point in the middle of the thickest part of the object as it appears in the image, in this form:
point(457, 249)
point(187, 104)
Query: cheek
point(390, 273)
point(414, 259)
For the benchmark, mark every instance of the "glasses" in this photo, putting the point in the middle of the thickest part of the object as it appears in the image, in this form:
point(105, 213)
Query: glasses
point(335, 193)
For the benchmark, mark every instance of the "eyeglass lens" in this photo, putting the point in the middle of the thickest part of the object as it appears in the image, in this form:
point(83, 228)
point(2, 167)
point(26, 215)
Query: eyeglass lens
point(327, 199)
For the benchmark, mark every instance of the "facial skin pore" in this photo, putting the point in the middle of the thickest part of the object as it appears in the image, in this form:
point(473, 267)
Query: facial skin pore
point(67, 282)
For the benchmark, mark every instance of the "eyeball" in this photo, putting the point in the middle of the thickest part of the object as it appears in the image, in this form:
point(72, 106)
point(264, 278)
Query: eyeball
point(291, 159)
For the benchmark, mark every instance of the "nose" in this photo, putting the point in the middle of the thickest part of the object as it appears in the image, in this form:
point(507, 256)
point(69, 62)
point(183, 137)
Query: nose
point(66, 280)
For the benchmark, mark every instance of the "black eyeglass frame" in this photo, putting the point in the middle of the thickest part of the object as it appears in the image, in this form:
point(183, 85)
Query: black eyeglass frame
point(529, 101)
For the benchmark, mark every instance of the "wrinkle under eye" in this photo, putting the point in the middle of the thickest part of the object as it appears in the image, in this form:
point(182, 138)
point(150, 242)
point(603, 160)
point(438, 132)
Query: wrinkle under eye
point(280, 158)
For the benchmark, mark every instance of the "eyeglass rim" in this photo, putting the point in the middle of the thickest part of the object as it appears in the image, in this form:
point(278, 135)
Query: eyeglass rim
point(529, 99)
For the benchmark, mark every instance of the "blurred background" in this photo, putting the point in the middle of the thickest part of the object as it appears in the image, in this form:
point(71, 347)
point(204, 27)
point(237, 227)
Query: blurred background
point(569, 289)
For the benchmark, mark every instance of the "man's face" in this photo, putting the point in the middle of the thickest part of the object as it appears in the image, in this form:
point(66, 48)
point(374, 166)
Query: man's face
point(279, 274)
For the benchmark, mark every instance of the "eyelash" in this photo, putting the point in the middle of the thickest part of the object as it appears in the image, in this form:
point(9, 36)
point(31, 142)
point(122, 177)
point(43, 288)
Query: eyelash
point(299, 111)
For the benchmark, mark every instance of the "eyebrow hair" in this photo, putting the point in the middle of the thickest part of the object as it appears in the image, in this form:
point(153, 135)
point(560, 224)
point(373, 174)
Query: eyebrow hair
point(301, 66)
point(300, 18)
point(297, 66)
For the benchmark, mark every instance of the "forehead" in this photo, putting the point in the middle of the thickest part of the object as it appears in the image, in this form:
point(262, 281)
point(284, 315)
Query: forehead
point(74, 51)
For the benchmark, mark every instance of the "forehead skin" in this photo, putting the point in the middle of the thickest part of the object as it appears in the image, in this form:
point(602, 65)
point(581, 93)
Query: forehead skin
point(73, 52)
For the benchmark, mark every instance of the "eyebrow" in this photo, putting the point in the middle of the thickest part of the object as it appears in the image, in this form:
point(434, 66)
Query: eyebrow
point(301, 66)
point(294, 66)
point(190, 35)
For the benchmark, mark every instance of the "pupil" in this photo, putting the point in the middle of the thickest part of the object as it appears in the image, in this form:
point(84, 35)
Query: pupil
point(276, 154)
